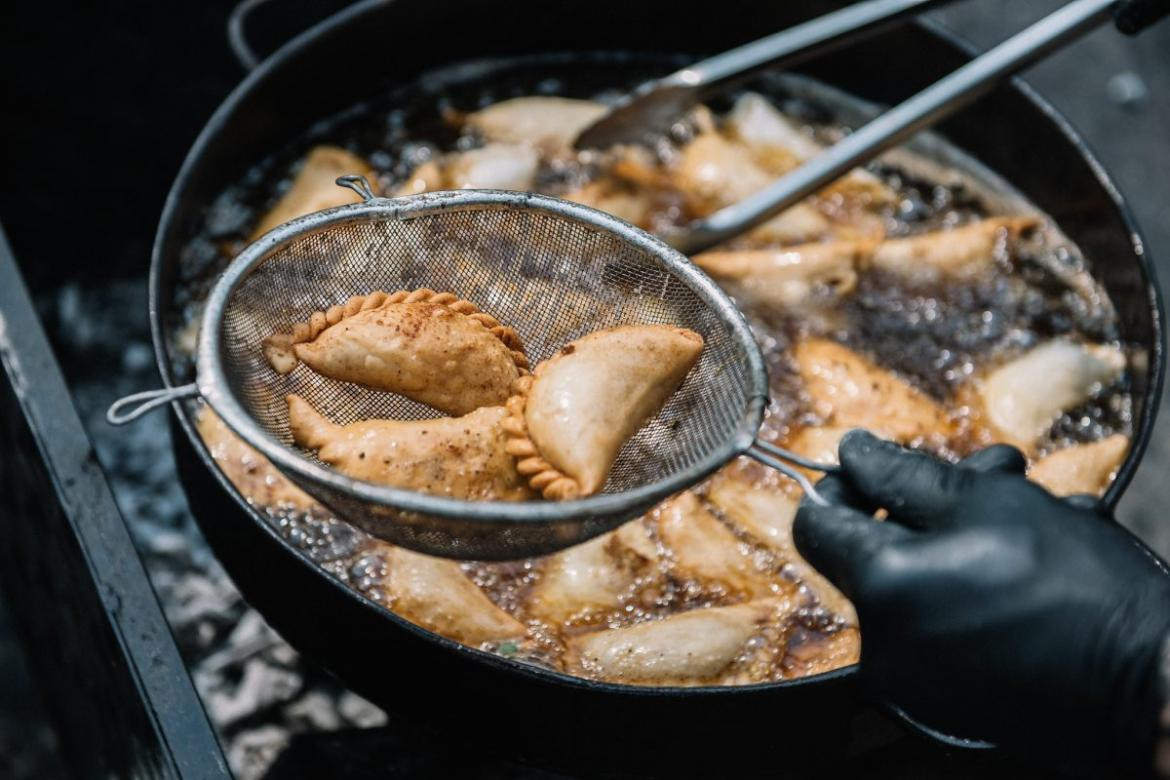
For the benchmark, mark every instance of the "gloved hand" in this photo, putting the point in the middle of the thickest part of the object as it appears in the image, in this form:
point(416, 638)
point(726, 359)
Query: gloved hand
point(991, 609)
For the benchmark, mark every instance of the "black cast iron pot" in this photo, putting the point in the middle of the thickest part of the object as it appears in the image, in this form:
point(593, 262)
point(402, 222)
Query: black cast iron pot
point(373, 47)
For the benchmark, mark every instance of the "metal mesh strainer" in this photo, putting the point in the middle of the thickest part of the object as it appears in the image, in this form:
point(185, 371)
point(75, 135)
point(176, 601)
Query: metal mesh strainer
point(551, 269)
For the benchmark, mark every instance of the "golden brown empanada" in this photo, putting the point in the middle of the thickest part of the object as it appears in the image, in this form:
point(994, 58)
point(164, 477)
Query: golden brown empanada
point(618, 198)
point(428, 346)
point(1081, 468)
point(569, 420)
point(460, 457)
point(808, 655)
point(248, 470)
point(315, 186)
point(435, 594)
point(851, 391)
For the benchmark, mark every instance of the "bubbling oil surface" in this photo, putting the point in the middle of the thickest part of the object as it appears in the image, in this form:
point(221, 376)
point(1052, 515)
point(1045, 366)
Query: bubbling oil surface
point(936, 336)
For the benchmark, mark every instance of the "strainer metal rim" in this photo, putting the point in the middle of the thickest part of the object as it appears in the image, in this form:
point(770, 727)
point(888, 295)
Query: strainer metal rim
point(211, 377)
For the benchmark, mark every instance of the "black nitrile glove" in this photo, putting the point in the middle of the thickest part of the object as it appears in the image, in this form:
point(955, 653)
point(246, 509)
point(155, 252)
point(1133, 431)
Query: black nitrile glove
point(991, 609)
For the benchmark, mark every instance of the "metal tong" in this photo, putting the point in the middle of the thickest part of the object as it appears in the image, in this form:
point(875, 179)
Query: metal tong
point(657, 103)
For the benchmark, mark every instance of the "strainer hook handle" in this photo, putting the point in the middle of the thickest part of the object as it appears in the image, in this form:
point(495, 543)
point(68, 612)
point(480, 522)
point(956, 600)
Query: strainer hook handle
point(358, 184)
point(146, 401)
point(786, 461)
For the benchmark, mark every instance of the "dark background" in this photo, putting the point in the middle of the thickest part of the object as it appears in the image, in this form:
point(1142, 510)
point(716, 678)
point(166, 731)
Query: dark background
point(101, 101)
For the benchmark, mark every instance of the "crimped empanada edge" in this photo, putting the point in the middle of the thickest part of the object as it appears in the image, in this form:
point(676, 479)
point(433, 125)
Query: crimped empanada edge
point(543, 477)
point(278, 348)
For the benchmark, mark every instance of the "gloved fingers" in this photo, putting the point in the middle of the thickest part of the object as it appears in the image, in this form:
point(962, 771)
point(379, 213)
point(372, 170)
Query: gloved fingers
point(838, 540)
point(1084, 501)
point(836, 490)
point(998, 457)
point(915, 488)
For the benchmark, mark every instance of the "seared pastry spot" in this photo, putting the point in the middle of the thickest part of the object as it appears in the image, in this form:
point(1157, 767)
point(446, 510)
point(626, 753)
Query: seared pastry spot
point(568, 420)
point(461, 457)
point(808, 655)
point(431, 347)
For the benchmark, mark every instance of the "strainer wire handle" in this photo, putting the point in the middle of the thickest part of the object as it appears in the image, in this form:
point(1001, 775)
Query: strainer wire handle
point(785, 461)
point(358, 184)
point(146, 401)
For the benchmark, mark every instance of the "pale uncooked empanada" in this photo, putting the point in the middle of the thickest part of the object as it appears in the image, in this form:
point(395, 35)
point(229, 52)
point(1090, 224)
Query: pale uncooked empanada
point(460, 457)
point(315, 186)
point(788, 278)
point(496, 166)
point(571, 417)
point(851, 391)
point(779, 145)
point(702, 548)
point(716, 172)
point(767, 515)
point(431, 347)
point(435, 594)
point(692, 647)
point(1023, 398)
point(755, 122)
point(593, 577)
point(1081, 468)
point(698, 181)
point(799, 224)
point(549, 123)
point(960, 253)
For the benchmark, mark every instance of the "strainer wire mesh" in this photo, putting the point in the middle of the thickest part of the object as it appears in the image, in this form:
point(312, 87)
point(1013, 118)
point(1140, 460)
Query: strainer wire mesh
point(552, 270)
